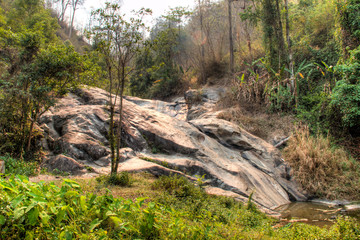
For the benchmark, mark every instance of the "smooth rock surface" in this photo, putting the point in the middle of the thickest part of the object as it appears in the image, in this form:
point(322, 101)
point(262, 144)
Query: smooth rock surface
point(227, 156)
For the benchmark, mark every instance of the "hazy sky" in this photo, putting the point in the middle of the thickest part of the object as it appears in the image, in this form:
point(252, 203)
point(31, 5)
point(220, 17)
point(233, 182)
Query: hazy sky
point(158, 7)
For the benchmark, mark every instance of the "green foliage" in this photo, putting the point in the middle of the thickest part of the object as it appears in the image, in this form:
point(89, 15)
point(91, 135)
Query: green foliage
point(122, 179)
point(45, 74)
point(156, 73)
point(268, 12)
point(21, 167)
point(178, 186)
point(35, 69)
point(346, 97)
point(141, 80)
point(349, 12)
point(47, 211)
point(281, 99)
point(346, 94)
point(350, 69)
point(314, 110)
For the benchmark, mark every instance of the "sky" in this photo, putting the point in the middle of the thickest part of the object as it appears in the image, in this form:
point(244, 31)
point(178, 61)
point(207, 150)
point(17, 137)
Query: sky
point(159, 7)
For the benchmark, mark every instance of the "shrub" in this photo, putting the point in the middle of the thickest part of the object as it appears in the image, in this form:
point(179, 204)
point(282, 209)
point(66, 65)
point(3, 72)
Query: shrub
point(215, 69)
point(21, 167)
point(322, 169)
point(122, 179)
point(281, 99)
point(346, 97)
point(314, 109)
point(178, 186)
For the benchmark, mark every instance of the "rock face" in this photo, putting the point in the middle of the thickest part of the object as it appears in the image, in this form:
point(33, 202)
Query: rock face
point(188, 139)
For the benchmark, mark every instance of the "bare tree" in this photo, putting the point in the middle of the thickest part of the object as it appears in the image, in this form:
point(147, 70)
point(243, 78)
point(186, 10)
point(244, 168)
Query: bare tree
point(63, 7)
point(202, 51)
point(231, 44)
point(288, 39)
point(118, 41)
point(74, 6)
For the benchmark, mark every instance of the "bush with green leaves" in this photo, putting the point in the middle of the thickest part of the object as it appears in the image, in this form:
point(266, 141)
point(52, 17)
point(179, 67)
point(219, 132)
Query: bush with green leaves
point(36, 68)
point(46, 211)
point(314, 110)
point(349, 13)
point(281, 99)
point(52, 211)
point(345, 97)
point(122, 179)
point(157, 75)
point(17, 166)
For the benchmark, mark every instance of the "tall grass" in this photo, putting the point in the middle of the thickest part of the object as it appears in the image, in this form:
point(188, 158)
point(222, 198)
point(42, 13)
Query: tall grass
point(322, 169)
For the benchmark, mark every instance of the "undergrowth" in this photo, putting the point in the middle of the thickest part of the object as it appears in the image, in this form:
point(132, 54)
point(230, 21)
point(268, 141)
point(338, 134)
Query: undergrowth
point(178, 210)
point(322, 169)
point(120, 179)
point(17, 166)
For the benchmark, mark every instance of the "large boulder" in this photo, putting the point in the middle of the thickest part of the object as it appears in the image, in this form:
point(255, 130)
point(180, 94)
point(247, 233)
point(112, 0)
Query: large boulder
point(63, 163)
point(227, 156)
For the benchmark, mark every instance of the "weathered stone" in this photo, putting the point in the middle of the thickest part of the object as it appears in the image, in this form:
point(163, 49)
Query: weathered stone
point(64, 164)
point(229, 157)
point(176, 109)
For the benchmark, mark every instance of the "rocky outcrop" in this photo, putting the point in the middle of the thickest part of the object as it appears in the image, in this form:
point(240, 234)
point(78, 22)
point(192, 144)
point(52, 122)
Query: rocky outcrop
point(164, 138)
point(63, 163)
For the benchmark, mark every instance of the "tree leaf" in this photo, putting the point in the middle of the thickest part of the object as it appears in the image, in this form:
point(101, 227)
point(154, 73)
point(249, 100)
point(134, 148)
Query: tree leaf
point(33, 216)
point(83, 203)
point(19, 212)
point(96, 222)
point(44, 217)
point(17, 200)
point(2, 220)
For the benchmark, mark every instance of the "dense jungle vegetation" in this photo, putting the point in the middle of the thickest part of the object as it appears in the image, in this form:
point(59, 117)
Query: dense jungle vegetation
point(290, 58)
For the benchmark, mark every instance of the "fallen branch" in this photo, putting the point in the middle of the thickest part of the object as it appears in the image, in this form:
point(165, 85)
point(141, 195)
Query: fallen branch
point(282, 142)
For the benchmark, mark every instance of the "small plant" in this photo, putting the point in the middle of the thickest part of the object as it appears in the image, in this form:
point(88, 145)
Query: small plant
point(178, 186)
point(281, 99)
point(58, 172)
point(200, 181)
point(122, 179)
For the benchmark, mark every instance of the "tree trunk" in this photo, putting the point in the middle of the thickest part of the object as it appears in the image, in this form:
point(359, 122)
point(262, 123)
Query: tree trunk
point(119, 135)
point(231, 44)
point(202, 51)
point(111, 123)
point(72, 22)
point(31, 131)
point(288, 39)
point(280, 35)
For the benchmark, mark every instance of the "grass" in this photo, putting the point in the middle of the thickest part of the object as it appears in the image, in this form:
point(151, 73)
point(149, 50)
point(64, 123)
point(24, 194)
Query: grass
point(257, 120)
point(174, 209)
point(140, 186)
point(324, 170)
